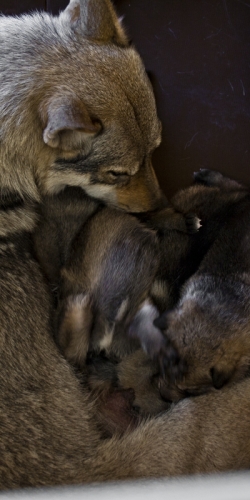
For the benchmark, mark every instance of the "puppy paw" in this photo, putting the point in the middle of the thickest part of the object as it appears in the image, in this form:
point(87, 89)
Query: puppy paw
point(172, 365)
point(207, 177)
point(143, 329)
point(193, 223)
point(155, 343)
point(171, 220)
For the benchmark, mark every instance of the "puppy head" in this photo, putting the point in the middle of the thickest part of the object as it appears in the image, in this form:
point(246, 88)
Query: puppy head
point(212, 351)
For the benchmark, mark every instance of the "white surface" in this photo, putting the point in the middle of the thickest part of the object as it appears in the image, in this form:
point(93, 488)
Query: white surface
point(234, 486)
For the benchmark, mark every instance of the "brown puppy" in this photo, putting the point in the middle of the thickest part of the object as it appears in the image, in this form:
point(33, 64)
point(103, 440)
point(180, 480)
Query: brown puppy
point(210, 324)
point(103, 269)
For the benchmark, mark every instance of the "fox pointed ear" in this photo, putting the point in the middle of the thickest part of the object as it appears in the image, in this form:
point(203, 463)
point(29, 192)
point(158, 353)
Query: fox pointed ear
point(71, 14)
point(96, 20)
point(67, 123)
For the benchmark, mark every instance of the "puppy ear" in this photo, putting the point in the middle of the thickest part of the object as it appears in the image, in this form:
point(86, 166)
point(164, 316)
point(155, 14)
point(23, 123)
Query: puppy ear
point(96, 20)
point(75, 327)
point(220, 377)
point(67, 123)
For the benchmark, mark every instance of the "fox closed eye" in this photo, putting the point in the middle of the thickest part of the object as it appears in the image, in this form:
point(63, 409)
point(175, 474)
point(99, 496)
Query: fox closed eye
point(115, 176)
point(114, 173)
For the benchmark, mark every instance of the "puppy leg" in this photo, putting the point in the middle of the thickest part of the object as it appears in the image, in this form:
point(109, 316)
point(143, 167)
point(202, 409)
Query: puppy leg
point(169, 219)
point(74, 328)
point(151, 338)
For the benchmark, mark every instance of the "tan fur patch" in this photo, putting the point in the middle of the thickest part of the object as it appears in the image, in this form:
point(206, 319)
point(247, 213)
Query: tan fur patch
point(75, 328)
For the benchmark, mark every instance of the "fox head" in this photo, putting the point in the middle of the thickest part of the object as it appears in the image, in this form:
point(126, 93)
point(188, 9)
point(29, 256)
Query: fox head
point(81, 111)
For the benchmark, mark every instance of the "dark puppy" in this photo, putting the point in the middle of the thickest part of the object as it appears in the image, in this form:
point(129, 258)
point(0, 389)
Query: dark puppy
point(103, 268)
point(209, 327)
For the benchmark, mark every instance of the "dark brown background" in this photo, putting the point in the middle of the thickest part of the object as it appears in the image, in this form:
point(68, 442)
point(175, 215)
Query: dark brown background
point(199, 54)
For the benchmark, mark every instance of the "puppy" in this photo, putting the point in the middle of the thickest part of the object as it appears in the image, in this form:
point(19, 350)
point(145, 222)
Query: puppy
point(209, 327)
point(176, 232)
point(103, 276)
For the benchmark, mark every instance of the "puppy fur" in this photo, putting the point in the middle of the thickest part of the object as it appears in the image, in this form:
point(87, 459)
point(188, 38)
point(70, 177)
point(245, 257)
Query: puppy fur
point(210, 324)
point(102, 277)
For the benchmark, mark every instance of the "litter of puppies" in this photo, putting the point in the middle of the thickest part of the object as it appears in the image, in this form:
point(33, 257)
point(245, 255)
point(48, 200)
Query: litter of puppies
point(116, 306)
